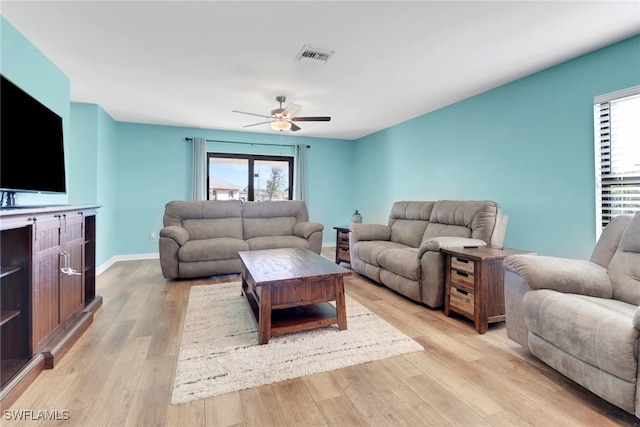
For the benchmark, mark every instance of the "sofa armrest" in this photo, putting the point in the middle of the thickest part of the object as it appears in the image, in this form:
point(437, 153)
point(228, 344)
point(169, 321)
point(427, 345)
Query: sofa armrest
point(175, 232)
point(561, 274)
point(370, 232)
point(434, 244)
point(636, 319)
point(305, 229)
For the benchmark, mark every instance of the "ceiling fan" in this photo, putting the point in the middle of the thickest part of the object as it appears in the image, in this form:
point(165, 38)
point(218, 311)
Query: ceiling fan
point(283, 118)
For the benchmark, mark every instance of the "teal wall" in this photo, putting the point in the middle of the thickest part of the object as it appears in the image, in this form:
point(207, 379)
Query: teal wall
point(154, 167)
point(528, 145)
point(93, 136)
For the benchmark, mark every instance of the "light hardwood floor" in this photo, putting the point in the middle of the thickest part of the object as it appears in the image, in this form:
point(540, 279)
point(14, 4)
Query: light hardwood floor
point(120, 372)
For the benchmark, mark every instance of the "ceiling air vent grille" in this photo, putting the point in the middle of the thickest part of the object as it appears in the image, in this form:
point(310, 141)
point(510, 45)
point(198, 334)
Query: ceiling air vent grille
point(314, 55)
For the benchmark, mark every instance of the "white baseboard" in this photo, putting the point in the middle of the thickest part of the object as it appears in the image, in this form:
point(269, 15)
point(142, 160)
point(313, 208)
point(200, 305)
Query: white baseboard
point(103, 267)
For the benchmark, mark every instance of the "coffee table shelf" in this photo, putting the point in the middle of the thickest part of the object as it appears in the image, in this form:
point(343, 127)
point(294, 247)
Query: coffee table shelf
point(294, 319)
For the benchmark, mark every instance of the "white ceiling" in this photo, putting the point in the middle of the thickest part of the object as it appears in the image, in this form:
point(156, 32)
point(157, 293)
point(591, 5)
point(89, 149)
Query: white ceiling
point(191, 63)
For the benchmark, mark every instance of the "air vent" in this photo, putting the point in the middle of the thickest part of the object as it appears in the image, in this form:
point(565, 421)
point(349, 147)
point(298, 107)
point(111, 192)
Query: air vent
point(315, 55)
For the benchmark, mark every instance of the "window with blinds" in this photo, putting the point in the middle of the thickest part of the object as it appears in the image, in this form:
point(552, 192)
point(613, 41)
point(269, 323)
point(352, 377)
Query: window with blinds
point(617, 155)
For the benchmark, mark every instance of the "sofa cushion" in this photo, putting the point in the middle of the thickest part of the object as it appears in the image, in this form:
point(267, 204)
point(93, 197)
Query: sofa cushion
point(598, 331)
point(609, 240)
point(408, 232)
point(408, 220)
point(205, 219)
point(265, 227)
point(453, 218)
point(212, 228)
point(211, 249)
point(369, 251)
point(624, 268)
point(275, 218)
point(178, 210)
point(401, 261)
point(275, 209)
point(277, 242)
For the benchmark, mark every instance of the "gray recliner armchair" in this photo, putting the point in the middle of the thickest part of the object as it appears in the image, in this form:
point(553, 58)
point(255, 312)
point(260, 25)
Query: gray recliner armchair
point(582, 317)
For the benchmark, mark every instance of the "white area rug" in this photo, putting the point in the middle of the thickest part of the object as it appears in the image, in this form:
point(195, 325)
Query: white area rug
point(219, 352)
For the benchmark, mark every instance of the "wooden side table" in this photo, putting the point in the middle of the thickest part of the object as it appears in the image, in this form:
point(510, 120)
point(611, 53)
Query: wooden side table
point(474, 283)
point(342, 244)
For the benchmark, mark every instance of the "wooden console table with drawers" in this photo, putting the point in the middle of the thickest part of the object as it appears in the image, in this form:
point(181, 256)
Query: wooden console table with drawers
point(474, 283)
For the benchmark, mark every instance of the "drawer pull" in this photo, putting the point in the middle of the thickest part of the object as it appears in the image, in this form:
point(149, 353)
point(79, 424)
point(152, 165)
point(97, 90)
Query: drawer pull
point(460, 273)
point(461, 291)
point(466, 261)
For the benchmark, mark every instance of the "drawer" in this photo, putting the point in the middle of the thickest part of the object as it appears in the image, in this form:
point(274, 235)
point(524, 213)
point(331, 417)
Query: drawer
point(343, 254)
point(462, 264)
point(462, 278)
point(461, 299)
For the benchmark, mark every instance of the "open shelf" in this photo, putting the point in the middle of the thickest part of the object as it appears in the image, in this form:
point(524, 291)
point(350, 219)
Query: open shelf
point(4, 272)
point(6, 316)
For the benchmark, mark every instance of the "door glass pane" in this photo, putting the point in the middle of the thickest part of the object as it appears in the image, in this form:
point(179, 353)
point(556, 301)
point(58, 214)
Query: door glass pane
point(271, 180)
point(228, 178)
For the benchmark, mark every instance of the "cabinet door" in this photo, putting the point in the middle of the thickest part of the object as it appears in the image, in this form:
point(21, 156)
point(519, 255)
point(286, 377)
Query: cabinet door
point(71, 279)
point(46, 267)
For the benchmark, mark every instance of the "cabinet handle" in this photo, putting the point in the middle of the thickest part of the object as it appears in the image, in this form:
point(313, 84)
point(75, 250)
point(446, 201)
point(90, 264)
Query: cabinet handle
point(66, 268)
point(35, 228)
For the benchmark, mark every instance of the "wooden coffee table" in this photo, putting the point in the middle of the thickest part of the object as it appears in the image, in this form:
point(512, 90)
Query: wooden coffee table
point(289, 290)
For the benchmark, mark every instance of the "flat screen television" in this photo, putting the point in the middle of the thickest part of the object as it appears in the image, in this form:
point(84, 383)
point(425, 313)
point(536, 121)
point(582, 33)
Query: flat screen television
point(31, 143)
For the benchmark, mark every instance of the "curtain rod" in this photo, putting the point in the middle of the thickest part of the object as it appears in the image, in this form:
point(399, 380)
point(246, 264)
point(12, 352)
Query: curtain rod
point(246, 143)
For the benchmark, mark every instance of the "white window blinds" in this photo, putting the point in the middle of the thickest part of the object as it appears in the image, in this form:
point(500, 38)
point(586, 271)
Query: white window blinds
point(617, 155)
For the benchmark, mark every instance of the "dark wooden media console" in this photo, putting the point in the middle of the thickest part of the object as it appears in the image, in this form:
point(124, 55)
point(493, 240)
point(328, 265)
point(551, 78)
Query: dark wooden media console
point(47, 289)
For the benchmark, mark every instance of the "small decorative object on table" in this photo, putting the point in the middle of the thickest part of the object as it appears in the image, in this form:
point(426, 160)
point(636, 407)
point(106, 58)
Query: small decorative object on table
point(356, 217)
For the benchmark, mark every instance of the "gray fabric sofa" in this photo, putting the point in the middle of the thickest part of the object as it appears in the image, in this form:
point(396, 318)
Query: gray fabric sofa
point(581, 317)
point(404, 255)
point(203, 238)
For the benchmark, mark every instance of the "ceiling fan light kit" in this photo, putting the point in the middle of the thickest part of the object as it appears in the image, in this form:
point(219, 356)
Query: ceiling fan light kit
point(282, 119)
point(280, 125)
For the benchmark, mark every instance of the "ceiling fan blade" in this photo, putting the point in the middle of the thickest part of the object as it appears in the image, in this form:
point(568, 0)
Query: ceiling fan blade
point(256, 124)
point(252, 114)
point(291, 110)
point(311, 119)
point(294, 127)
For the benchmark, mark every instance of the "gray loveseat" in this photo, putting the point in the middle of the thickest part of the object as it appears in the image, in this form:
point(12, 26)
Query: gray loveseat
point(203, 238)
point(582, 317)
point(405, 254)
